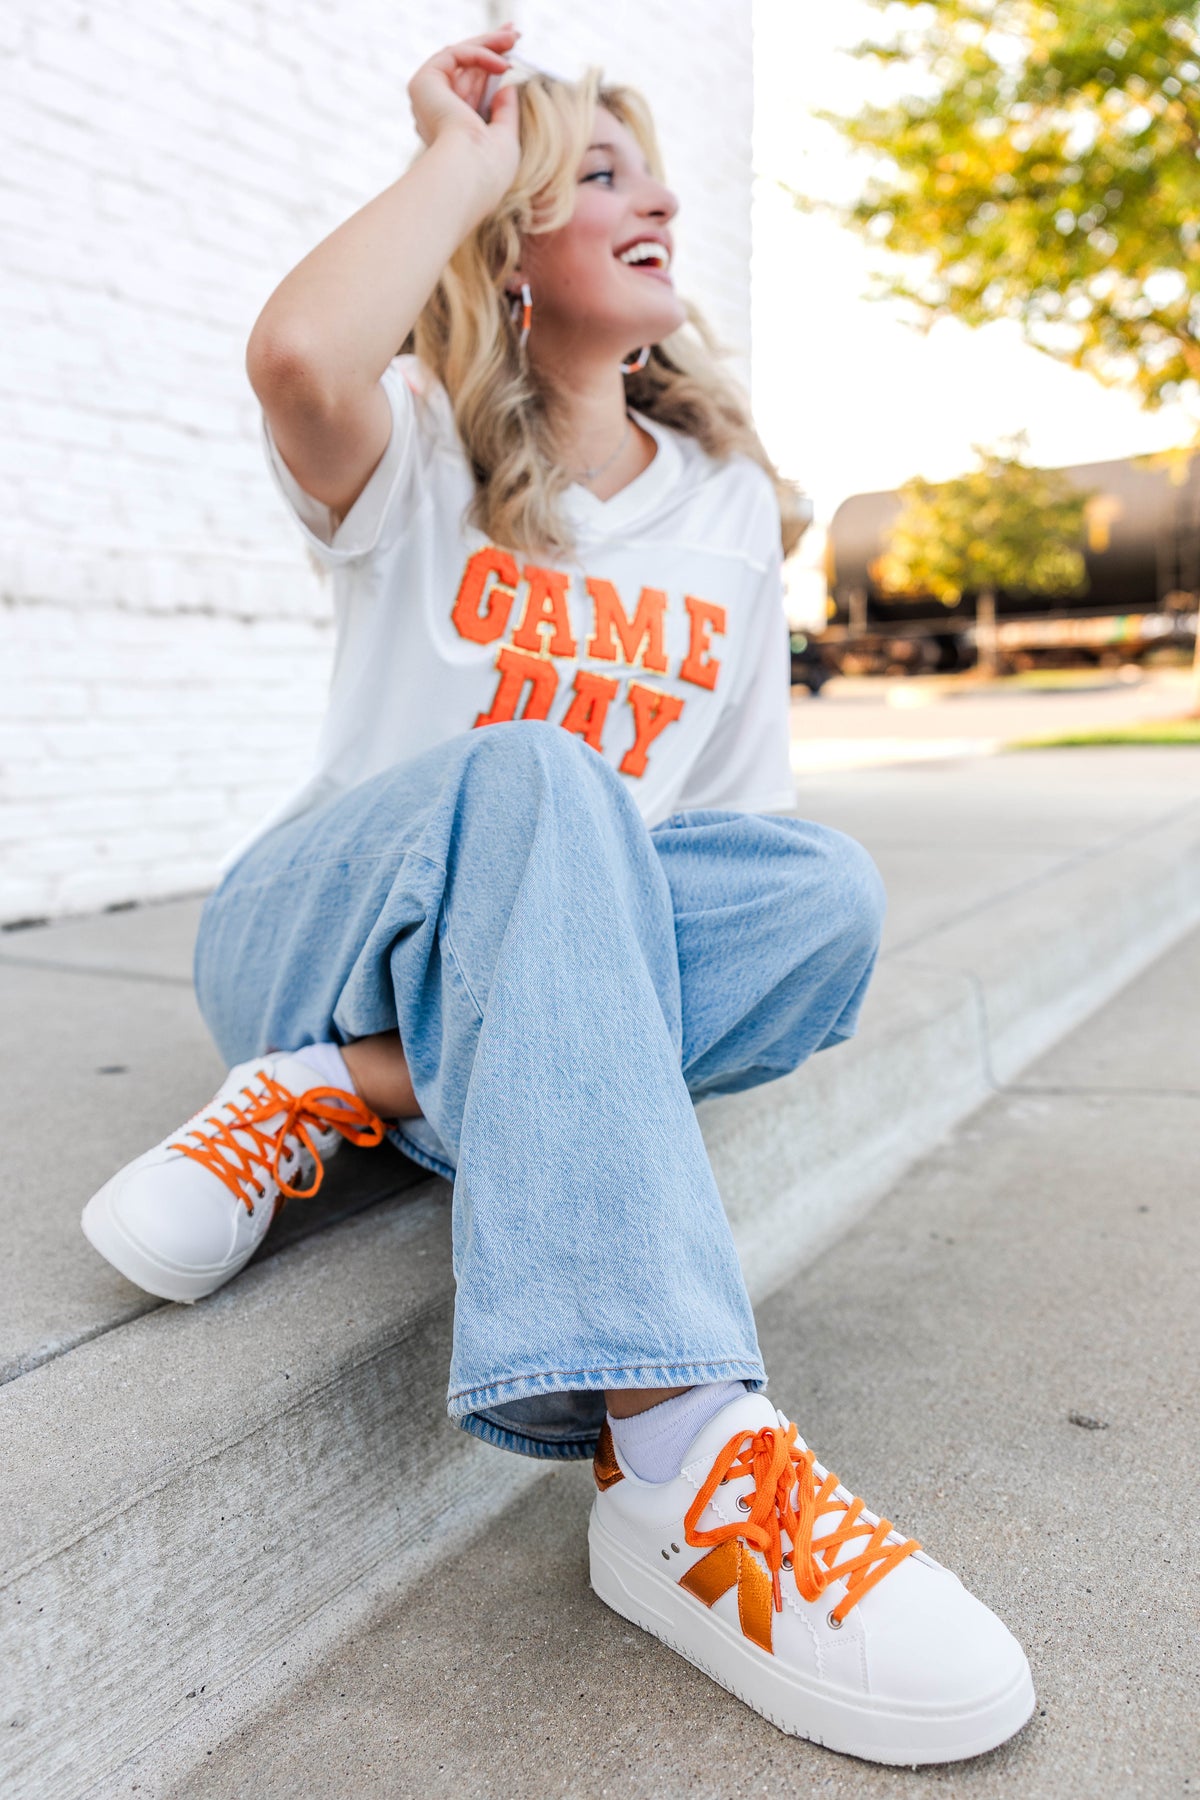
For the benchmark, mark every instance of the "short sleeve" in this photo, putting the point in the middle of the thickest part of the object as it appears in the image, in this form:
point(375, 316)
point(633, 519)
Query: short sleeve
point(746, 763)
point(389, 490)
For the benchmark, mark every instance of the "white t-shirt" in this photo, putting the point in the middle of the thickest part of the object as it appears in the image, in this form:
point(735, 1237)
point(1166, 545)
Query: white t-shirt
point(662, 642)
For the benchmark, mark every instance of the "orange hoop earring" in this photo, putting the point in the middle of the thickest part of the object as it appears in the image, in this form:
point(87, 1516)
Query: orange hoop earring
point(526, 303)
point(643, 357)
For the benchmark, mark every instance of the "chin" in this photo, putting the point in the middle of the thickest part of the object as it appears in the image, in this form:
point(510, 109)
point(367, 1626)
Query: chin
point(652, 327)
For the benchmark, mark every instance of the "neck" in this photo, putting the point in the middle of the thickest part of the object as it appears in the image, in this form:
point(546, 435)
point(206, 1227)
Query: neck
point(588, 411)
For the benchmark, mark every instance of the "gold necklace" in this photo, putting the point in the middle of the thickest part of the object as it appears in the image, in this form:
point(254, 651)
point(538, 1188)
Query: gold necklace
point(589, 474)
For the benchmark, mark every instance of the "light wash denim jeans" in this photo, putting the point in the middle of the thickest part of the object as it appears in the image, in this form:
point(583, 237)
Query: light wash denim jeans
point(566, 982)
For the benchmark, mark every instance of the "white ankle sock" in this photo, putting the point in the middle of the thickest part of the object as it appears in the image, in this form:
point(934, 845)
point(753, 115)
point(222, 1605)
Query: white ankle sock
point(329, 1064)
point(652, 1443)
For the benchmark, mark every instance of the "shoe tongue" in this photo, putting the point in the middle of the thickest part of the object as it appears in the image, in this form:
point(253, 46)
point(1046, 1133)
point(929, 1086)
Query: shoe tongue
point(290, 1072)
point(297, 1075)
point(750, 1413)
point(293, 1073)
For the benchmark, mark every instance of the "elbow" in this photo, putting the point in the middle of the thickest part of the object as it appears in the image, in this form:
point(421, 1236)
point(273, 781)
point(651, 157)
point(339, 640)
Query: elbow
point(279, 368)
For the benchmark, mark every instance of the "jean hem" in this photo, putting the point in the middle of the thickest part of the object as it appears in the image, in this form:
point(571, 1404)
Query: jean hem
point(417, 1154)
point(466, 1409)
point(836, 1037)
point(560, 1450)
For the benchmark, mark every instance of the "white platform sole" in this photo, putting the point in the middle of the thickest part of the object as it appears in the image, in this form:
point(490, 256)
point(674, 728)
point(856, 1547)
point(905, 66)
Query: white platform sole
point(803, 1707)
point(166, 1280)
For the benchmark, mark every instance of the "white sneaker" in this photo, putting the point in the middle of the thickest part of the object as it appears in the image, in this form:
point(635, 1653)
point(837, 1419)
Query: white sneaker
point(184, 1217)
point(756, 1565)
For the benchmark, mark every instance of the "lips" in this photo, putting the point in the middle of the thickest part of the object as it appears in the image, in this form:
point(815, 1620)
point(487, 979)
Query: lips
point(663, 271)
point(655, 240)
point(649, 269)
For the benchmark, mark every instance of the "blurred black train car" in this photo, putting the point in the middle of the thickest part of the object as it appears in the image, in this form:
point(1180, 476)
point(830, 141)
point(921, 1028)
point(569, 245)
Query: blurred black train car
point(1142, 557)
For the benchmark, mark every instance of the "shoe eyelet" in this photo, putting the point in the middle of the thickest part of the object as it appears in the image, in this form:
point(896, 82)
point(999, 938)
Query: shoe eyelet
point(723, 1481)
point(786, 1563)
point(743, 1503)
point(834, 1623)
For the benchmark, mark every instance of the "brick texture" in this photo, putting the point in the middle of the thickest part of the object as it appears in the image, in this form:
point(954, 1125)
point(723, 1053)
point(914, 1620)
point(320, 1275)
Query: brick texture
point(164, 637)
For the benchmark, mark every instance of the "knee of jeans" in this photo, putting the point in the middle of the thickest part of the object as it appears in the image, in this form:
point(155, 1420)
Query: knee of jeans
point(529, 743)
point(852, 892)
point(864, 894)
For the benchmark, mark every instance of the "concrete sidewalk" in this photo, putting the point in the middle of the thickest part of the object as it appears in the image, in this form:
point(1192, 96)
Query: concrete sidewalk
point(99, 1012)
point(196, 1495)
point(1003, 1357)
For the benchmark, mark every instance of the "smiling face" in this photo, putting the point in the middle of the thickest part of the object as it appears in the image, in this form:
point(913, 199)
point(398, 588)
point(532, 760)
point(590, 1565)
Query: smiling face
point(585, 298)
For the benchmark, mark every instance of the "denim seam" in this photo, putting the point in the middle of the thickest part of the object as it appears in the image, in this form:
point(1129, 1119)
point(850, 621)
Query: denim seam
point(418, 1154)
point(578, 1375)
point(562, 1450)
point(456, 960)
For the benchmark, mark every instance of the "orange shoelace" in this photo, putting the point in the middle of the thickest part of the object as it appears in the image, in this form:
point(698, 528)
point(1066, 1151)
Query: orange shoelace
point(324, 1107)
point(781, 1471)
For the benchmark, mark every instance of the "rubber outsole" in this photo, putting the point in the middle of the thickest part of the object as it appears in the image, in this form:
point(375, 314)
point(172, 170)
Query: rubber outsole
point(847, 1723)
point(104, 1232)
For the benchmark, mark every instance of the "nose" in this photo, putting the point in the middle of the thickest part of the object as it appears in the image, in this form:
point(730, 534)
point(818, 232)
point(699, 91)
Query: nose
point(660, 202)
point(668, 200)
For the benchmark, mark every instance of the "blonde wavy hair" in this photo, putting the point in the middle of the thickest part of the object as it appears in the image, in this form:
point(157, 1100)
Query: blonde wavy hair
point(466, 335)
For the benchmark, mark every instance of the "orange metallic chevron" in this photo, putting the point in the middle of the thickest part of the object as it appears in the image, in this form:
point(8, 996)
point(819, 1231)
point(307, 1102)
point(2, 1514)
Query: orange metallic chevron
point(716, 1573)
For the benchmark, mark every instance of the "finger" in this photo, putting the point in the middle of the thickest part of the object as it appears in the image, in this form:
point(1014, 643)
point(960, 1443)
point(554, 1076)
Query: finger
point(472, 80)
point(458, 58)
point(489, 58)
point(469, 86)
point(505, 107)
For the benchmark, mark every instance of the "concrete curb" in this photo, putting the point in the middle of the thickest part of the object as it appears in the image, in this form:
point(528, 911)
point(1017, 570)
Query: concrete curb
point(799, 1160)
point(163, 1564)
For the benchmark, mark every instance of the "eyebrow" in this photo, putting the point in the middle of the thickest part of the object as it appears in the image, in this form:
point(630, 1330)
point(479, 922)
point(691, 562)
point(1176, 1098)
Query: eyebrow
point(612, 148)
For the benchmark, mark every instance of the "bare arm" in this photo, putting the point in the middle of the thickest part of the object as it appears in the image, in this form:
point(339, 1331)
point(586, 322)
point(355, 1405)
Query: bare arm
point(332, 326)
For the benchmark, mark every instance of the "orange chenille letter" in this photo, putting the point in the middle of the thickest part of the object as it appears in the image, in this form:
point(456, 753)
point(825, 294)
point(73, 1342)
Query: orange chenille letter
point(516, 668)
point(589, 706)
point(652, 710)
point(645, 626)
point(470, 621)
point(702, 614)
point(546, 605)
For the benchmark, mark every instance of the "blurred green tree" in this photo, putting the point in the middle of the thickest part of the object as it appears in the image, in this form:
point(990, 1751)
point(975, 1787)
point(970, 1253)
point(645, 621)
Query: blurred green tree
point(1002, 526)
point(1049, 173)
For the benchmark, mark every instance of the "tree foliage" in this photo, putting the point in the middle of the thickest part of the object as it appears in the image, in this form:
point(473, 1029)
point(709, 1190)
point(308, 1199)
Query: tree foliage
point(1048, 173)
point(1003, 525)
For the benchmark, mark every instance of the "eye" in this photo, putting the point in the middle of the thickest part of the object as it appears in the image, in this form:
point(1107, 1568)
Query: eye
point(598, 172)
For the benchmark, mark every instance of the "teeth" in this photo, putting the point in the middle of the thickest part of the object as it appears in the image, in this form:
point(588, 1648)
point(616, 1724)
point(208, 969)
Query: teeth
point(645, 252)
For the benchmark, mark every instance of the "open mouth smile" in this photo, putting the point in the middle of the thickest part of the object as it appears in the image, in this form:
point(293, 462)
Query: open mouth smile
point(647, 257)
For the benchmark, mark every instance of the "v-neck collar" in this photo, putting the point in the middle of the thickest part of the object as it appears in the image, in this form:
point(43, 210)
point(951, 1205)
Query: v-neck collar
point(638, 496)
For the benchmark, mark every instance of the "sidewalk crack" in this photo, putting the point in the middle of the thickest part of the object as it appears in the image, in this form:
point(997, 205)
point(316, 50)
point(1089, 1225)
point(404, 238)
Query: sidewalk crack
point(105, 971)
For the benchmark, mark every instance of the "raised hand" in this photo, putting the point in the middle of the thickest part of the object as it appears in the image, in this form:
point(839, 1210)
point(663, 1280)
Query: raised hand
point(446, 93)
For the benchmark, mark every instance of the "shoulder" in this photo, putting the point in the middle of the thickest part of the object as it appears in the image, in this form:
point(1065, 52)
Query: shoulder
point(737, 473)
point(739, 492)
point(413, 373)
point(407, 375)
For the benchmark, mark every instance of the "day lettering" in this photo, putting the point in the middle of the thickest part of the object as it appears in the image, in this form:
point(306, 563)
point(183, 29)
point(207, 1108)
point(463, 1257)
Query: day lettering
point(527, 606)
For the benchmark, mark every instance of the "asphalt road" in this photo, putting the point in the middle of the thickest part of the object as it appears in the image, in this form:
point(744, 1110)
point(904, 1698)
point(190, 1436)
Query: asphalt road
point(858, 720)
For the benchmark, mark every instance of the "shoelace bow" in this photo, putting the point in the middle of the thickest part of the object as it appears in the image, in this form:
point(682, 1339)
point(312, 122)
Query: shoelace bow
point(324, 1107)
point(780, 1470)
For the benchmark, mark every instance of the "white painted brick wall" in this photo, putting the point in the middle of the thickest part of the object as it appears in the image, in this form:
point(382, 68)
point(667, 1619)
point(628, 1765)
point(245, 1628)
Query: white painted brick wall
point(164, 639)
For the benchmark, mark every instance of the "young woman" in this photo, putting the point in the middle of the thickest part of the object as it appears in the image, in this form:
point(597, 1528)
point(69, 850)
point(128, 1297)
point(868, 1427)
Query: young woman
point(543, 891)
